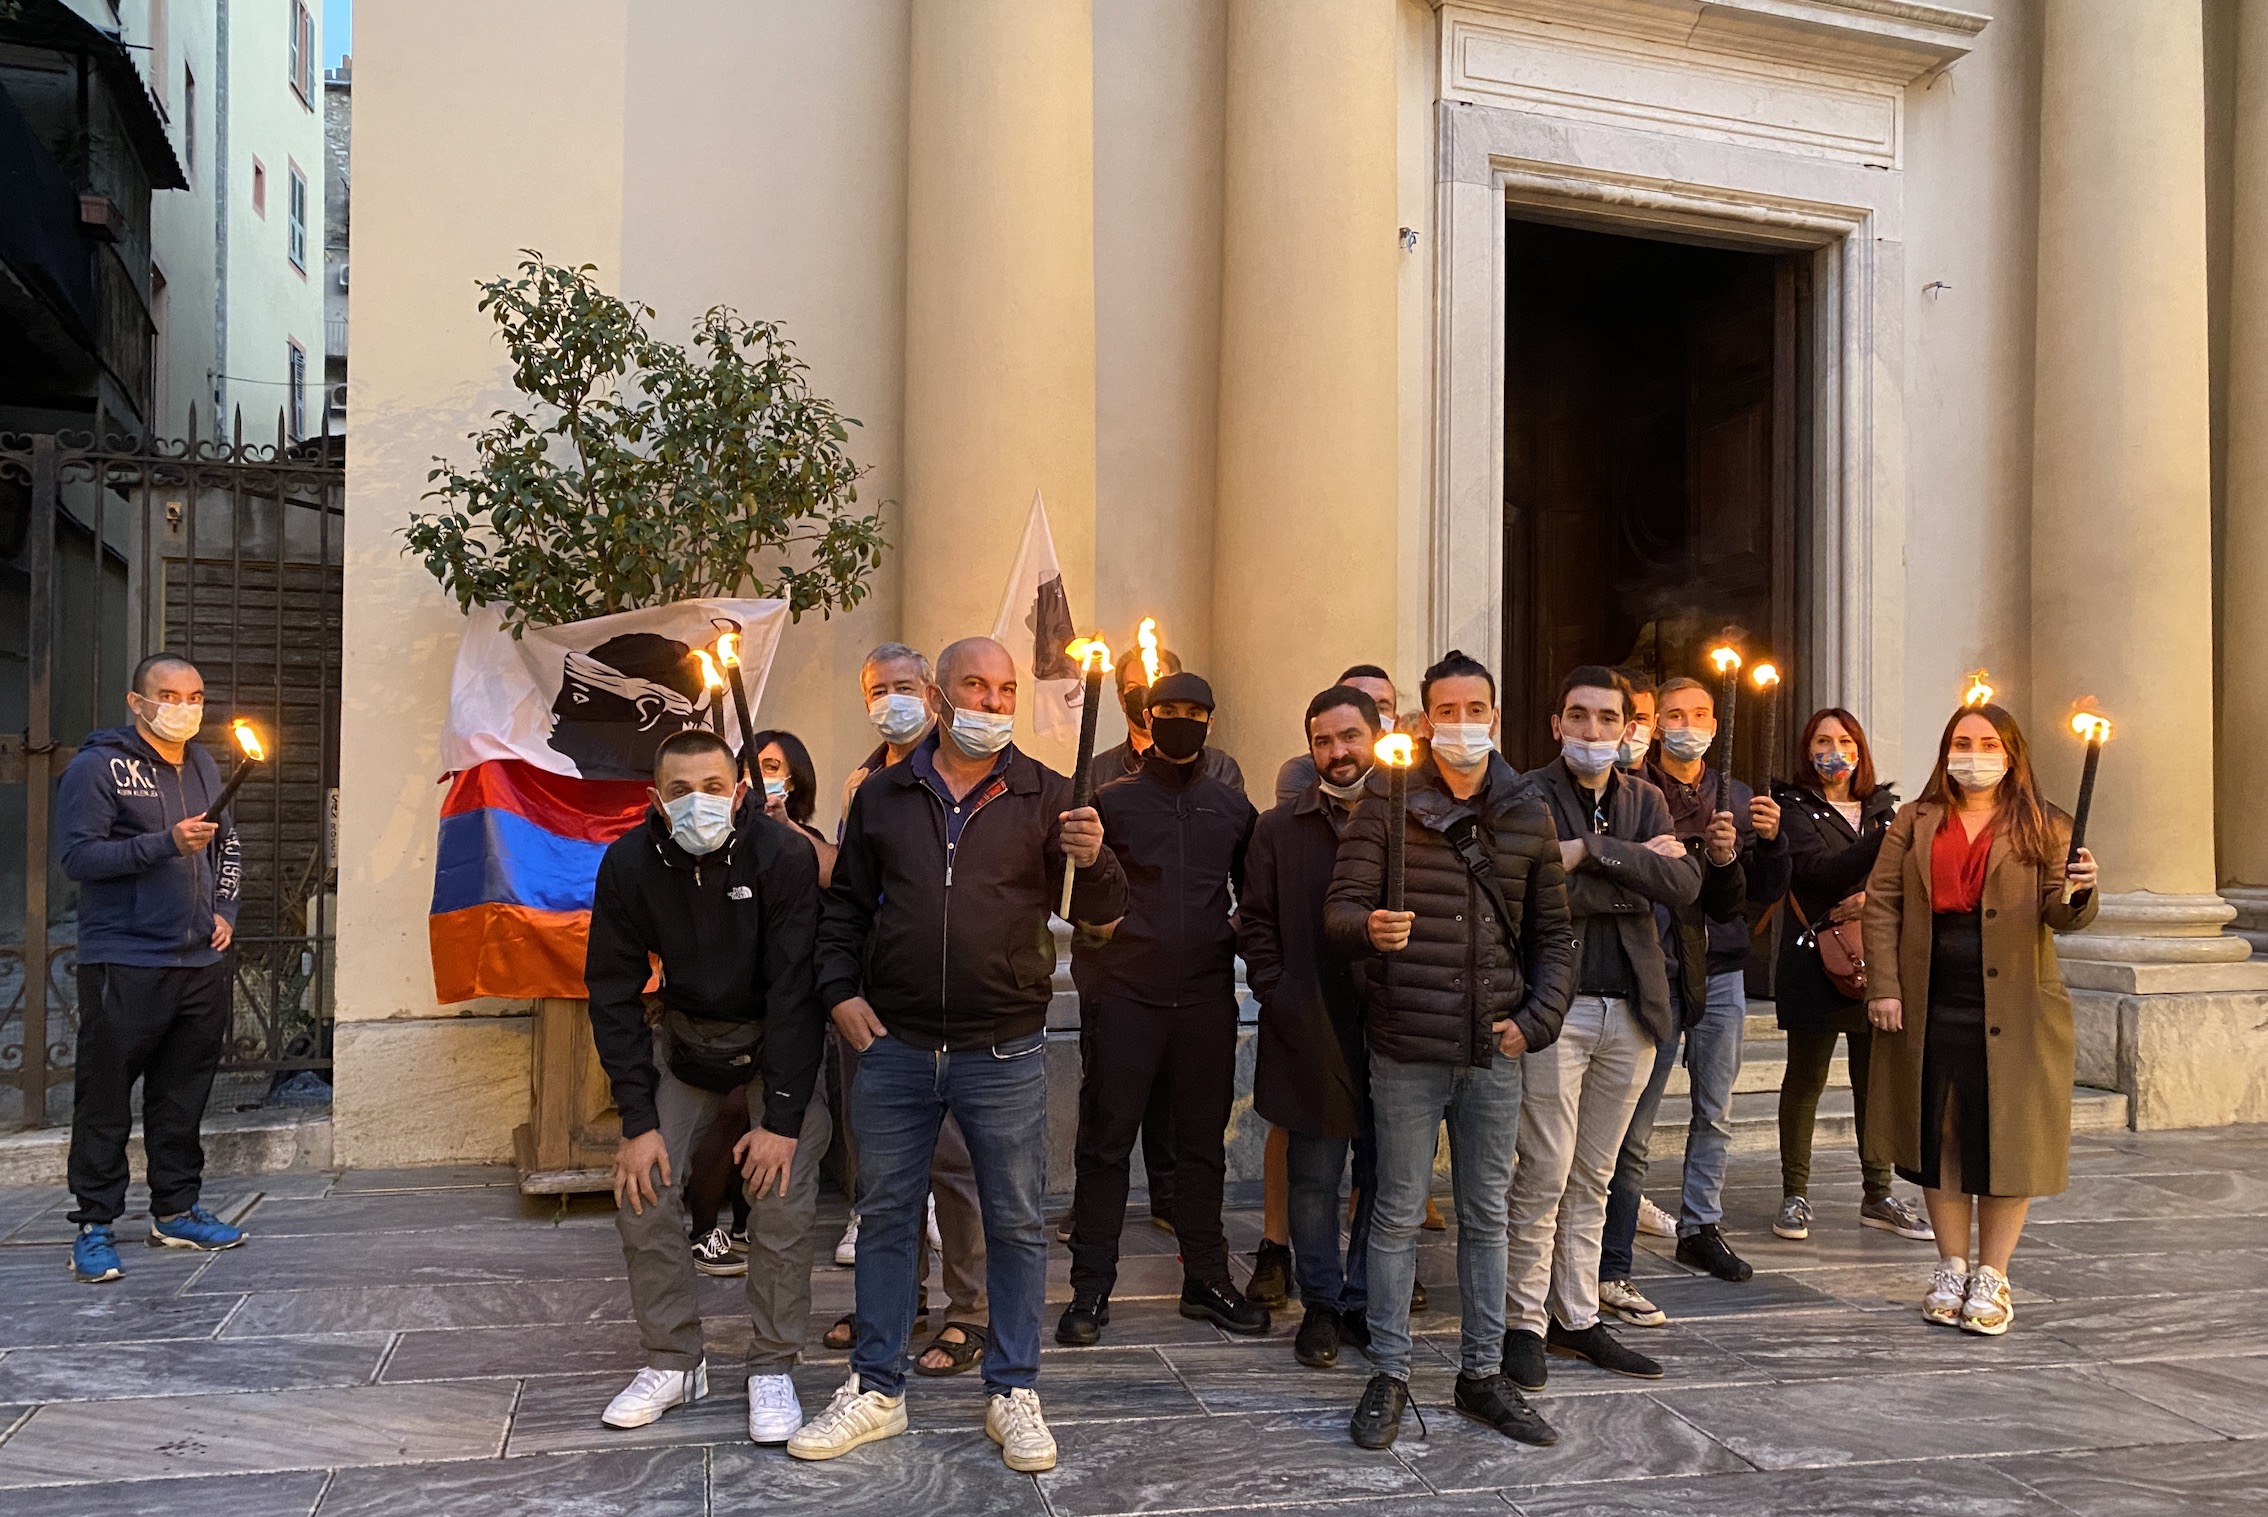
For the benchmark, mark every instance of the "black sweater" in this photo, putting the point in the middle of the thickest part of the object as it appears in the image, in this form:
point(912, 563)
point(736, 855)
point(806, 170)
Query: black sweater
point(1180, 835)
point(733, 930)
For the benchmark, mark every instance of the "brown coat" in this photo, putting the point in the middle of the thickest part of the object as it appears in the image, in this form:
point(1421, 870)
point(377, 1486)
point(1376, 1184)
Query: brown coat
point(2028, 1053)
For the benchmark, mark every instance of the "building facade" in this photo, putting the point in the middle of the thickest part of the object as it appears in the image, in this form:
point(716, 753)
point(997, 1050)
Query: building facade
point(1907, 339)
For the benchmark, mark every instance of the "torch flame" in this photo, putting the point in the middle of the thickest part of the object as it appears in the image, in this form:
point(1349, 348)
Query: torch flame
point(1980, 690)
point(1765, 675)
point(710, 678)
point(2090, 726)
point(1395, 750)
point(728, 648)
point(1725, 658)
point(1146, 636)
point(249, 740)
point(1092, 653)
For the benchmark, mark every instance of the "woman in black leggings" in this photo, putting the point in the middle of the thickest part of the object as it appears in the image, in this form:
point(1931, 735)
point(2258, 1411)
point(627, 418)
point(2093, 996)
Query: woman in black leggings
point(1833, 818)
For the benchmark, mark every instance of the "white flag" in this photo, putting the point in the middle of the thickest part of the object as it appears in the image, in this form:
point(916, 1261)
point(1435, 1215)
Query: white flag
point(1035, 626)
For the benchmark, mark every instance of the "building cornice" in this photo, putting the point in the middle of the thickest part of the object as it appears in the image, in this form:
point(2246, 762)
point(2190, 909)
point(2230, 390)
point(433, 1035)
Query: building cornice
point(1895, 41)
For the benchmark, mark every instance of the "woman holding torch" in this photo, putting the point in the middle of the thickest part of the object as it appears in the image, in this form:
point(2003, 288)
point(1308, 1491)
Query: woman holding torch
point(1970, 1090)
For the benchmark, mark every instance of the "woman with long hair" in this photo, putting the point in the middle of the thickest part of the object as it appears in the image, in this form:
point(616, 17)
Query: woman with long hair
point(1970, 1089)
point(1833, 816)
point(791, 791)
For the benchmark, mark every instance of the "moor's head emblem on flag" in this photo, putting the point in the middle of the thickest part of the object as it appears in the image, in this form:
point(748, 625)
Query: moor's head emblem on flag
point(1052, 632)
point(617, 702)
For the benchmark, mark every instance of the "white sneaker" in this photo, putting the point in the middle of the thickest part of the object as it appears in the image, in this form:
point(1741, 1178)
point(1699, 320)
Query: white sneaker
point(1653, 1221)
point(654, 1392)
point(774, 1413)
point(1626, 1303)
point(852, 1418)
point(1014, 1422)
point(1988, 1310)
point(846, 1247)
point(936, 1238)
point(1948, 1293)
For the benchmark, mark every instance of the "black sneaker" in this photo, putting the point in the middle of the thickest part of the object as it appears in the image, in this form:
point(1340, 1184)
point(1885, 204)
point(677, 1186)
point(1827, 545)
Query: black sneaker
point(1270, 1284)
point(1082, 1321)
point(1378, 1415)
point(1224, 1306)
point(1491, 1399)
point(1524, 1359)
point(1317, 1345)
point(1603, 1349)
point(1417, 1297)
point(1354, 1328)
point(1705, 1249)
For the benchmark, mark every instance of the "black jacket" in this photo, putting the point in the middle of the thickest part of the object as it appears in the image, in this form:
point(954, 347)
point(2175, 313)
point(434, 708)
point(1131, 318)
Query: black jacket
point(1310, 1070)
point(959, 956)
point(733, 930)
point(1829, 860)
point(1731, 894)
point(1434, 1002)
point(1180, 837)
point(1119, 762)
point(1615, 888)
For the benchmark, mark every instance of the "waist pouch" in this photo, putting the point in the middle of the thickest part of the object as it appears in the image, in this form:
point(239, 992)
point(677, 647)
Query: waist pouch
point(710, 1055)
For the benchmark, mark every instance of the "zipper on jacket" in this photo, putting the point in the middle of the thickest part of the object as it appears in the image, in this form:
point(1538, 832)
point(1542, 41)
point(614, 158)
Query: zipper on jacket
point(945, 916)
point(1481, 1058)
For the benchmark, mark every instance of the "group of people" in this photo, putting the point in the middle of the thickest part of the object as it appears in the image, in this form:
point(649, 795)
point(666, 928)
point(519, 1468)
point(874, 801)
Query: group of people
point(1561, 936)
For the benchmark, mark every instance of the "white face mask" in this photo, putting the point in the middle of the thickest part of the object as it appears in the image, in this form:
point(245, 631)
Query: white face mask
point(980, 734)
point(899, 718)
point(1976, 772)
point(1688, 743)
point(176, 722)
point(1462, 745)
point(1631, 751)
point(1346, 795)
point(1590, 760)
point(698, 821)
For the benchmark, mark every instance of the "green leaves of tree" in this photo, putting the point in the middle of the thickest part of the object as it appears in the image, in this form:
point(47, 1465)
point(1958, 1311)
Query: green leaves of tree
point(645, 472)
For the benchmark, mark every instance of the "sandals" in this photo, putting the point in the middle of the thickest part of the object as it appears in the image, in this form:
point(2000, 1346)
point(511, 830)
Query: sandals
point(838, 1339)
point(964, 1355)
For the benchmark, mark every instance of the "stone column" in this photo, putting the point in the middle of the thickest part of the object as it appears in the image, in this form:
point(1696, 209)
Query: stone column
point(1305, 544)
point(2241, 791)
point(2122, 554)
point(1000, 305)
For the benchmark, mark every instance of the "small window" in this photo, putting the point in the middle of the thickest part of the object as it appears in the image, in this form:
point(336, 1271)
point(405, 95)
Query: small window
point(297, 245)
point(295, 404)
point(259, 188)
point(302, 54)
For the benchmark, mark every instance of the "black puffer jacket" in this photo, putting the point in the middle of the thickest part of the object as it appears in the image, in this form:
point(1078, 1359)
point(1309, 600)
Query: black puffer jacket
point(1434, 1001)
point(1829, 860)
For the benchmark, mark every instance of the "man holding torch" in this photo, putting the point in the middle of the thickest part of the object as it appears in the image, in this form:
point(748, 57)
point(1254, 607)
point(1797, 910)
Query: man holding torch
point(1473, 973)
point(158, 890)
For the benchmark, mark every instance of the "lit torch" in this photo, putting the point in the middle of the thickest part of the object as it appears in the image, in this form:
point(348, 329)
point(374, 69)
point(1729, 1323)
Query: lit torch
point(1146, 638)
point(1093, 655)
point(1725, 659)
point(249, 742)
point(1766, 678)
point(1980, 691)
point(713, 683)
point(2092, 728)
point(728, 654)
point(1397, 752)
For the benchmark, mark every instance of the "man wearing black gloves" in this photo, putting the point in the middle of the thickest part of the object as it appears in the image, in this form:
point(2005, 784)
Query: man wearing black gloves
point(1161, 992)
point(728, 901)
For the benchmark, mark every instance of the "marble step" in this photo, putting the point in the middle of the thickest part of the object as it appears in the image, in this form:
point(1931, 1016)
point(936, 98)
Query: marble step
point(1763, 1066)
point(1756, 1119)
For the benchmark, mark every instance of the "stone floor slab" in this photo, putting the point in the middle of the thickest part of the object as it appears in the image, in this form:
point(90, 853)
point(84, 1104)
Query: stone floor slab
point(1945, 1489)
point(2156, 1326)
point(449, 1256)
point(2230, 1396)
point(1600, 1438)
point(401, 1308)
point(931, 1474)
point(188, 1367)
point(650, 1482)
point(1216, 1462)
point(2212, 1480)
point(89, 1316)
point(439, 1177)
point(1830, 1345)
point(286, 1495)
point(419, 1211)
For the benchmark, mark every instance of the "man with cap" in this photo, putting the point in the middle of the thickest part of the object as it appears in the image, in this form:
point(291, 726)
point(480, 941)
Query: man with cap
point(1159, 992)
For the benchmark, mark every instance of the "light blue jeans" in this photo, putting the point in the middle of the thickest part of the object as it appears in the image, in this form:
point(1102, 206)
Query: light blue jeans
point(1409, 1102)
point(1712, 1065)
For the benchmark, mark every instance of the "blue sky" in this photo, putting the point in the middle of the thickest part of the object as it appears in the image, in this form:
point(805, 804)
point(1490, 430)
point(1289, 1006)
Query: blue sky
point(338, 30)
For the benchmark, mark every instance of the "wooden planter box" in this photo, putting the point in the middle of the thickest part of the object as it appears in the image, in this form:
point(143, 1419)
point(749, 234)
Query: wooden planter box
point(567, 1144)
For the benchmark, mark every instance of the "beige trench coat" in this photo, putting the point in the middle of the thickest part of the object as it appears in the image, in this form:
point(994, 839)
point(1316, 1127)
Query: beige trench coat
point(2028, 1053)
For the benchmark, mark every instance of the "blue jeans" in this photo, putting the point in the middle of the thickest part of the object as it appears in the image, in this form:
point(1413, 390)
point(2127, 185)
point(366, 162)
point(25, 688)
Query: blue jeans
point(1408, 1104)
point(1712, 1062)
point(999, 1097)
point(1315, 1165)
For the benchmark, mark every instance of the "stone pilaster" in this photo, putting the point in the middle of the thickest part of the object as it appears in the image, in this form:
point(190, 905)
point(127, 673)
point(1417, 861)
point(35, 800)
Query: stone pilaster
point(2241, 789)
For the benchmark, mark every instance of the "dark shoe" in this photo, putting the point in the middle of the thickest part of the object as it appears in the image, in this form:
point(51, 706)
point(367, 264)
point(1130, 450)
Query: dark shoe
point(1491, 1399)
point(1354, 1328)
point(1317, 1345)
point(1706, 1250)
point(1378, 1415)
point(1224, 1306)
point(1082, 1322)
point(1417, 1297)
point(1603, 1349)
point(1270, 1284)
point(1524, 1359)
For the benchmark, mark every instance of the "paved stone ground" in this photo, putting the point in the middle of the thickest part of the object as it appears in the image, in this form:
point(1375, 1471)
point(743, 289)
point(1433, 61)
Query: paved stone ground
point(426, 1342)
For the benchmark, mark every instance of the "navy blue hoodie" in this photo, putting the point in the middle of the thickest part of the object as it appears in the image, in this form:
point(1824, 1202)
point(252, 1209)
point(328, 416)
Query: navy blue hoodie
point(141, 900)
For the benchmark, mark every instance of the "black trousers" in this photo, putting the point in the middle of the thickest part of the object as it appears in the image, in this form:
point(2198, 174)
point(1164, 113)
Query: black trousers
point(1127, 1046)
point(166, 1028)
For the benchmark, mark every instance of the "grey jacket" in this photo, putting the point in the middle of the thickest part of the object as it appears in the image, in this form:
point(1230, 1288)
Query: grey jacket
point(1614, 889)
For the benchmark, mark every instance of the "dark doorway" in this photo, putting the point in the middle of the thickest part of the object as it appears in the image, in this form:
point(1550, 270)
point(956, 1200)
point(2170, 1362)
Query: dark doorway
point(1653, 455)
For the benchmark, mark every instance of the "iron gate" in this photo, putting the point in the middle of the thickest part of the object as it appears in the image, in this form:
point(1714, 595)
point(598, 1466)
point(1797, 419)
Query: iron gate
point(229, 554)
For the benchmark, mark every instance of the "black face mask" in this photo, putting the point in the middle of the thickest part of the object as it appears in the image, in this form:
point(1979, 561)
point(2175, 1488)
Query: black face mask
point(1179, 738)
point(1134, 700)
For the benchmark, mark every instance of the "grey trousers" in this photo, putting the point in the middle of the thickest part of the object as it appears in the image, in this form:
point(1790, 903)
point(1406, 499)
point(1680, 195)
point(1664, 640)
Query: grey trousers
point(665, 1290)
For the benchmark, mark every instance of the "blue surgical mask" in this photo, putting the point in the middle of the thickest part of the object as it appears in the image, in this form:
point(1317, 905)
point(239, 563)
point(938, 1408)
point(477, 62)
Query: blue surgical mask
point(1463, 746)
point(1590, 760)
point(899, 718)
point(775, 785)
point(699, 822)
point(981, 734)
point(1686, 744)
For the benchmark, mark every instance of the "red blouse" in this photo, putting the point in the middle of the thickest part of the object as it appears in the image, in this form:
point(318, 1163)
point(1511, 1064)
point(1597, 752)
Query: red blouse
point(1957, 865)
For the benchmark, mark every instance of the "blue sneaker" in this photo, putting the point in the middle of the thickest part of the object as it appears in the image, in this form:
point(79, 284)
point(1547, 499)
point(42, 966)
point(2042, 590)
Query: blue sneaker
point(194, 1228)
point(94, 1254)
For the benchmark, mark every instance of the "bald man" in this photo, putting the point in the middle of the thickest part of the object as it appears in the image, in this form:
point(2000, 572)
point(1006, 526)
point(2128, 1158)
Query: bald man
point(936, 963)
